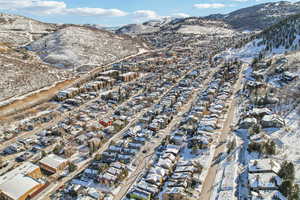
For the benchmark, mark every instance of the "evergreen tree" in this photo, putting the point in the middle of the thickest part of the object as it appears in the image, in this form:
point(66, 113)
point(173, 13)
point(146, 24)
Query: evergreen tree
point(287, 171)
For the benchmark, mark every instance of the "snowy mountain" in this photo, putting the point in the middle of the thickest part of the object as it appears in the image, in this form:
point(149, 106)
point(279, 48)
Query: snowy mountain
point(135, 29)
point(79, 46)
point(280, 38)
point(23, 72)
point(146, 27)
point(183, 25)
point(252, 18)
point(283, 36)
point(102, 27)
point(17, 30)
point(260, 16)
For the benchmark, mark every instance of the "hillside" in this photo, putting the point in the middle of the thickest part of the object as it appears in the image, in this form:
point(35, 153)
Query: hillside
point(260, 16)
point(78, 46)
point(22, 72)
point(146, 27)
point(50, 51)
point(270, 84)
point(280, 38)
point(135, 29)
point(195, 25)
point(287, 35)
point(190, 25)
point(18, 30)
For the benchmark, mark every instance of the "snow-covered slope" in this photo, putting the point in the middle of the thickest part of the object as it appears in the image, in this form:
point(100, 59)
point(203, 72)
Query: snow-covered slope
point(256, 17)
point(146, 27)
point(18, 30)
point(135, 29)
point(260, 16)
point(280, 38)
point(284, 35)
point(76, 46)
point(22, 72)
point(189, 25)
point(208, 29)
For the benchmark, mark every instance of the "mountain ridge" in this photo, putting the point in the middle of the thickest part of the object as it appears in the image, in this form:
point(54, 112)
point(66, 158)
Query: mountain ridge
point(19, 30)
point(251, 18)
point(260, 16)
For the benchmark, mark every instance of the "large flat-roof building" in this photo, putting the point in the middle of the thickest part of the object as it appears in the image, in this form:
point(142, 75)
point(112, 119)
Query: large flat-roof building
point(53, 163)
point(21, 183)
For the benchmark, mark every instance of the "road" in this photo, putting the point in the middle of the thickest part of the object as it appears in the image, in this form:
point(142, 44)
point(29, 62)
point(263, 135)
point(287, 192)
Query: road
point(150, 147)
point(55, 186)
point(209, 182)
point(47, 192)
point(61, 117)
point(54, 122)
point(47, 94)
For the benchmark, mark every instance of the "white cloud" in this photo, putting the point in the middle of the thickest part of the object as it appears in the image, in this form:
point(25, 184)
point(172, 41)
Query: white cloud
point(96, 12)
point(180, 15)
point(59, 7)
point(146, 14)
point(14, 4)
point(45, 7)
point(37, 6)
point(209, 5)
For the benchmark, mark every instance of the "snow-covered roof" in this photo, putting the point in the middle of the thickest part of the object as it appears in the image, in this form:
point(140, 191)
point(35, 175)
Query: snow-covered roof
point(272, 121)
point(181, 175)
point(53, 161)
point(148, 187)
point(128, 74)
point(165, 163)
point(16, 182)
point(263, 165)
point(227, 194)
point(259, 111)
point(185, 169)
point(267, 195)
point(172, 149)
point(264, 180)
point(169, 156)
point(154, 178)
point(174, 190)
point(108, 176)
point(158, 170)
point(19, 185)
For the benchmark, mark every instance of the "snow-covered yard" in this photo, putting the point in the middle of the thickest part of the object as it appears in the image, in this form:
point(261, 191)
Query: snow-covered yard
point(291, 140)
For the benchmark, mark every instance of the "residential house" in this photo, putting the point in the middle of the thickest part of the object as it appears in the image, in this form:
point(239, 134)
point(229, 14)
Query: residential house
point(264, 181)
point(107, 179)
point(174, 193)
point(266, 165)
point(140, 194)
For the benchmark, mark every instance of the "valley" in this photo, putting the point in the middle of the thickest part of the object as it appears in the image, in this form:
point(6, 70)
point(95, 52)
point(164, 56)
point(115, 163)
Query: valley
point(170, 109)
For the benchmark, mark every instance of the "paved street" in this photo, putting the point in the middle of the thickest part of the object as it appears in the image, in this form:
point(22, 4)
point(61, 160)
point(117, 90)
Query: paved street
point(225, 133)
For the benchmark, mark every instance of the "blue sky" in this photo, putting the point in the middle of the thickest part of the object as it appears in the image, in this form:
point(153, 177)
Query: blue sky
point(118, 12)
